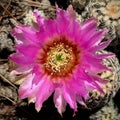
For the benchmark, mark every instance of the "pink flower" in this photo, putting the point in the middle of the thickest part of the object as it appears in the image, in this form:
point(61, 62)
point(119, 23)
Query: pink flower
point(59, 56)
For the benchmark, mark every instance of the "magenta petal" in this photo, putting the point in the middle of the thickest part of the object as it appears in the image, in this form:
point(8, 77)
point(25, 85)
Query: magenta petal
point(75, 84)
point(36, 81)
point(89, 26)
point(92, 23)
point(87, 31)
point(97, 37)
point(107, 55)
point(80, 100)
point(43, 94)
point(25, 34)
point(74, 32)
point(68, 14)
point(29, 51)
point(100, 46)
point(26, 87)
point(64, 19)
point(59, 101)
point(40, 19)
point(86, 83)
point(71, 13)
point(100, 80)
point(20, 38)
point(90, 80)
point(49, 30)
point(94, 64)
point(70, 97)
point(20, 59)
point(45, 33)
point(22, 70)
point(94, 39)
point(62, 22)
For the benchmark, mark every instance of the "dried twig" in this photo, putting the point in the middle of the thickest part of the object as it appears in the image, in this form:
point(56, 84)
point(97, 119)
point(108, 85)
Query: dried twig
point(8, 99)
point(7, 5)
point(5, 9)
point(37, 4)
point(3, 60)
point(6, 80)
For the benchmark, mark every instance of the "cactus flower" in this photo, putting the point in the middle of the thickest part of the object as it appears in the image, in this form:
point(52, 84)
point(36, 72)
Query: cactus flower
point(59, 57)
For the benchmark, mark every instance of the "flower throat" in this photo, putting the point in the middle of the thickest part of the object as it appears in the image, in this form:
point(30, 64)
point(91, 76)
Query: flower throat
point(59, 57)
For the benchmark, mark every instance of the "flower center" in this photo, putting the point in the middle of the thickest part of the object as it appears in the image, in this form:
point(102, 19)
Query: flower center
point(59, 57)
